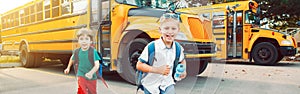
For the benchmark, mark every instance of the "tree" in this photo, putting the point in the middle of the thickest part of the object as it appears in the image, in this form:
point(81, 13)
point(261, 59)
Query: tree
point(280, 13)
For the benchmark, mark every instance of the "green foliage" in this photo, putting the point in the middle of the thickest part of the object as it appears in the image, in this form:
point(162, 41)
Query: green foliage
point(280, 13)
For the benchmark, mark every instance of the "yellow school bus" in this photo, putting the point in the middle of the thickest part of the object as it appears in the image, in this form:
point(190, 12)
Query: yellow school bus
point(238, 36)
point(46, 29)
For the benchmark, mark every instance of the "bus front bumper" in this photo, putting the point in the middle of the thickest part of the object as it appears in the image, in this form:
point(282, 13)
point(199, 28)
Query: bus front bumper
point(200, 57)
point(288, 51)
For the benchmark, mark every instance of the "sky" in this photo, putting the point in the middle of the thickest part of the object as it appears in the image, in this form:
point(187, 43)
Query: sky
point(6, 5)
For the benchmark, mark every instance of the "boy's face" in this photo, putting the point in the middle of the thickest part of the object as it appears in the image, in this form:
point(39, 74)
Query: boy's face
point(169, 29)
point(84, 41)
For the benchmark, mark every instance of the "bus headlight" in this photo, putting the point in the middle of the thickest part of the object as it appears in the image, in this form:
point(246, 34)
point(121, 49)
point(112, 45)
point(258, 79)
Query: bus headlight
point(286, 42)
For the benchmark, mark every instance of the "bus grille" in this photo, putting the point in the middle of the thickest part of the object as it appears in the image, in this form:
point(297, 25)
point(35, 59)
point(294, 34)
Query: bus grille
point(198, 47)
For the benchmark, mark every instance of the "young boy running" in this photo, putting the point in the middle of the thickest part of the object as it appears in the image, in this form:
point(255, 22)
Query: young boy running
point(159, 79)
point(86, 71)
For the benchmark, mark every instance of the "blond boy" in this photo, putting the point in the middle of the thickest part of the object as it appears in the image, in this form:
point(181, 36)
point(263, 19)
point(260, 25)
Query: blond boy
point(159, 79)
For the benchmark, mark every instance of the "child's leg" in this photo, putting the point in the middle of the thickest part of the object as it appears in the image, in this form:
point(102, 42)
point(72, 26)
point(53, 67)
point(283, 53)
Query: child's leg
point(146, 91)
point(91, 86)
point(169, 90)
point(81, 85)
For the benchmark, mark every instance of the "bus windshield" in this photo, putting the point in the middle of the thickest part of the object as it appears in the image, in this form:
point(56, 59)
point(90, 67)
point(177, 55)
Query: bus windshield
point(148, 3)
point(252, 18)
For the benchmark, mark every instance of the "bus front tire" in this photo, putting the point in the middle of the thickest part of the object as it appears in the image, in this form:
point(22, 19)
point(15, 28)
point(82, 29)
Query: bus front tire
point(265, 53)
point(203, 66)
point(195, 67)
point(130, 57)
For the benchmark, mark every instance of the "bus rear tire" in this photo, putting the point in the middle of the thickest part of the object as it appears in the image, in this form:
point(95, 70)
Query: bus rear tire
point(265, 53)
point(27, 58)
point(64, 59)
point(38, 60)
point(130, 57)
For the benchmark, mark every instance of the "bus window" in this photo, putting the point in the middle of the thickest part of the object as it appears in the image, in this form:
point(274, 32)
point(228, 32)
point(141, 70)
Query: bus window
point(8, 21)
point(16, 18)
point(147, 3)
point(3, 22)
point(239, 18)
point(55, 8)
point(218, 20)
point(80, 6)
point(249, 17)
point(105, 10)
point(11, 18)
point(39, 11)
point(94, 12)
point(32, 13)
point(130, 2)
point(160, 3)
point(65, 7)
point(47, 9)
point(22, 18)
point(27, 15)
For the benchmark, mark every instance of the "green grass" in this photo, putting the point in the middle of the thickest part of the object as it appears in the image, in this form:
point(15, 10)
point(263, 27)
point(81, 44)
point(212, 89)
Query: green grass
point(9, 59)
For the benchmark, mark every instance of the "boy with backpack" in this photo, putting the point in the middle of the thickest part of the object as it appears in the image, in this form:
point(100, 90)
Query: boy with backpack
point(85, 68)
point(158, 75)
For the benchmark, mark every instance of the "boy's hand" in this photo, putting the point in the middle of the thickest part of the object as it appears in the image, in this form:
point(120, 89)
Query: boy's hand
point(164, 69)
point(67, 70)
point(89, 75)
point(183, 75)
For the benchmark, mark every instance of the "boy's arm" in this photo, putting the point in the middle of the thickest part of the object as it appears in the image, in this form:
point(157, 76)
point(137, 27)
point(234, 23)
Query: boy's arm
point(95, 68)
point(67, 70)
point(143, 67)
point(164, 69)
point(70, 62)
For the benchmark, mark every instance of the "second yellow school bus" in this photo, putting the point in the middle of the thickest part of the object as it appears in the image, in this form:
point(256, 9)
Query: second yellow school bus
point(236, 29)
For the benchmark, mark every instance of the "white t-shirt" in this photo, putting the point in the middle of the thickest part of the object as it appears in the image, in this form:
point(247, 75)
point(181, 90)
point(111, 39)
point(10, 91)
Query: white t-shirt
point(163, 56)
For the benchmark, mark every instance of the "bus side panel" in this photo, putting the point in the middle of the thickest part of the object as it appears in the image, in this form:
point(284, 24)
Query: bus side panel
point(46, 35)
point(246, 42)
point(263, 34)
point(119, 14)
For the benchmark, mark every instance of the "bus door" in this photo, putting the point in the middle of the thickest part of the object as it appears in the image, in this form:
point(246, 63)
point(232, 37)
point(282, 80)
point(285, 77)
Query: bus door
point(218, 23)
point(100, 22)
point(235, 34)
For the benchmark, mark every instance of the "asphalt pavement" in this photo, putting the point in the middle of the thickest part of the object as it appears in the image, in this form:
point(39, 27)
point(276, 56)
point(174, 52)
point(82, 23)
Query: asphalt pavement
point(218, 78)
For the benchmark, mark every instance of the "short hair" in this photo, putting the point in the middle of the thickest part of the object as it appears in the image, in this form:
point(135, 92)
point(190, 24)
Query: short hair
point(86, 31)
point(169, 17)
